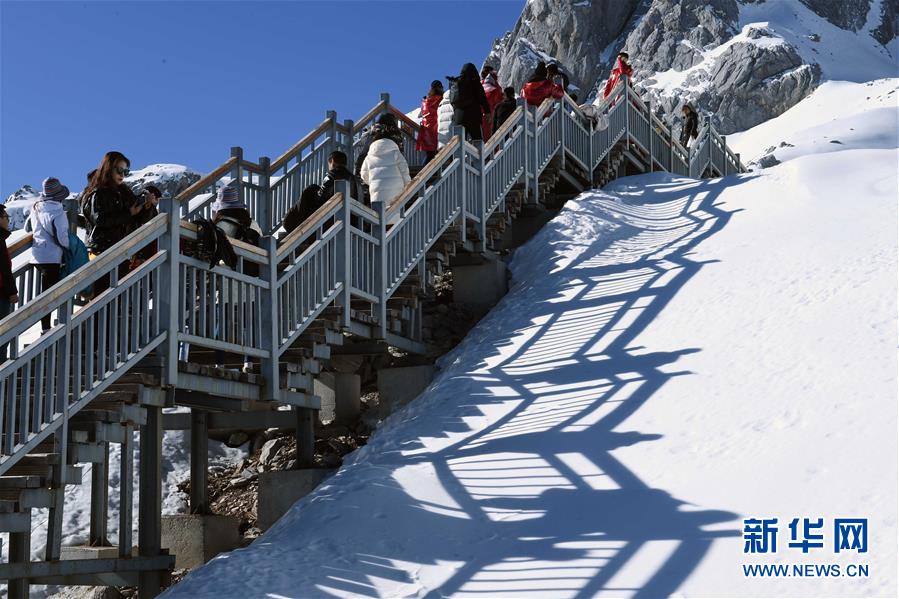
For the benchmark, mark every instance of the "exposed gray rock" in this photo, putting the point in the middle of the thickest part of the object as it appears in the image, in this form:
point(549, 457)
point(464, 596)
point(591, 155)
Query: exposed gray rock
point(574, 34)
point(270, 450)
point(846, 14)
point(673, 33)
point(751, 84)
point(889, 22)
point(767, 161)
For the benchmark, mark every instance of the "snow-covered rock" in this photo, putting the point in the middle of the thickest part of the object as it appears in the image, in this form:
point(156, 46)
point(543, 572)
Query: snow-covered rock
point(741, 62)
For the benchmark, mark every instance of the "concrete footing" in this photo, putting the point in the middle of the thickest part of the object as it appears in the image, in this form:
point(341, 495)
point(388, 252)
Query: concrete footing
point(399, 386)
point(88, 552)
point(279, 490)
point(480, 286)
point(341, 396)
point(194, 539)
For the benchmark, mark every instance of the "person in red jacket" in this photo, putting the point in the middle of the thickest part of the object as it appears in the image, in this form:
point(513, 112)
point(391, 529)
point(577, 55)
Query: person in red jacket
point(539, 88)
point(622, 69)
point(9, 295)
point(494, 95)
point(427, 132)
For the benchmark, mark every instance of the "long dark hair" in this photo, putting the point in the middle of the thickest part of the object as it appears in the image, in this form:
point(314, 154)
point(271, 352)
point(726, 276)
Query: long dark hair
point(539, 73)
point(102, 176)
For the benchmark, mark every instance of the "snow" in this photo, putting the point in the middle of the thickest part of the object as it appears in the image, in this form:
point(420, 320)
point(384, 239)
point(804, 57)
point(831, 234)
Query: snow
point(674, 356)
point(838, 116)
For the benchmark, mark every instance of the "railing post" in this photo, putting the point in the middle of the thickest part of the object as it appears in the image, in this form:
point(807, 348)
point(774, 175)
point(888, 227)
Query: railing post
point(169, 296)
point(54, 521)
point(349, 150)
point(671, 145)
point(724, 155)
point(344, 253)
point(482, 195)
point(382, 270)
point(708, 122)
point(739, 163)
point(331, 115)
point(269, 317)
point(149, 540)
point(265, 217)
point(651, 136)
point(237, 152)
point(627, 116)
point(536, 157)
point(525, 144)
point(459, 132)
point(562, 123)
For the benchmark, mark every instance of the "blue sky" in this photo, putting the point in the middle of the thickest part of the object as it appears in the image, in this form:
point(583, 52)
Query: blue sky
point(182, 82)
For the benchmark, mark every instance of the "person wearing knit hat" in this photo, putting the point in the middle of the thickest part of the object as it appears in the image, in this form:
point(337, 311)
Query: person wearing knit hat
point(231, 216)
point(228, 197)
point(51, 235)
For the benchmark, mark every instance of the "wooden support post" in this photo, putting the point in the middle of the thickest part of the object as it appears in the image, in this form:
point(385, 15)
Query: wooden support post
point(168, 293)
point(524, 145)
point(348, 149)
point(150, 503)
point(560, 115)
point(382, 269)
point(270, 338)
point(126, 489)
point(344, 254)
point(199, 462)
point(671, 145)
point(651, 135)
point(482, 195)
point(265, 216)
point(100, 501)
point(459, 132)
point(305, 436)
point(331, 116)
point(724, 155)
point(237, 152)
point(19, 552)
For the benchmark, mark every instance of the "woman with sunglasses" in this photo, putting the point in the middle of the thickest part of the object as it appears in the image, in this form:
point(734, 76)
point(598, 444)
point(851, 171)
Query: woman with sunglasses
point(109, 207)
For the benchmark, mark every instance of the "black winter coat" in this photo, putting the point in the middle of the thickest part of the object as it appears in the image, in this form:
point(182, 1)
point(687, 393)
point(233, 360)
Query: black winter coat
point(7, 281)
point(690, 128)
point(503, 111)
point(341, 173)
point(108, 213)
point(470, 106)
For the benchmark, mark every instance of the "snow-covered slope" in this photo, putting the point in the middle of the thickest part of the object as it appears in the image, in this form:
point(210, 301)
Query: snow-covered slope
point(838, 116)
point(675, 356)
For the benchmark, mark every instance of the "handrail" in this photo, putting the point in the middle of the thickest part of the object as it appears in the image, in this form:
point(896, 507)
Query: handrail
point(85, 275)
point(311, 223)
point(307, 139)
point(402, 117)
point(368, 116)
point(206, 180)
point(237, 243)
point(506, 126)
point(21, 244)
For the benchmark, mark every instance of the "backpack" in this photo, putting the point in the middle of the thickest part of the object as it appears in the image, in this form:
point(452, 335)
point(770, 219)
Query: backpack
point(205, 248)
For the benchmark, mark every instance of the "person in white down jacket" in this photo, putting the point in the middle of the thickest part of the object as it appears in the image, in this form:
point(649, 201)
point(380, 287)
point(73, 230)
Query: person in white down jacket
point(50, 227)
point(385, 171)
